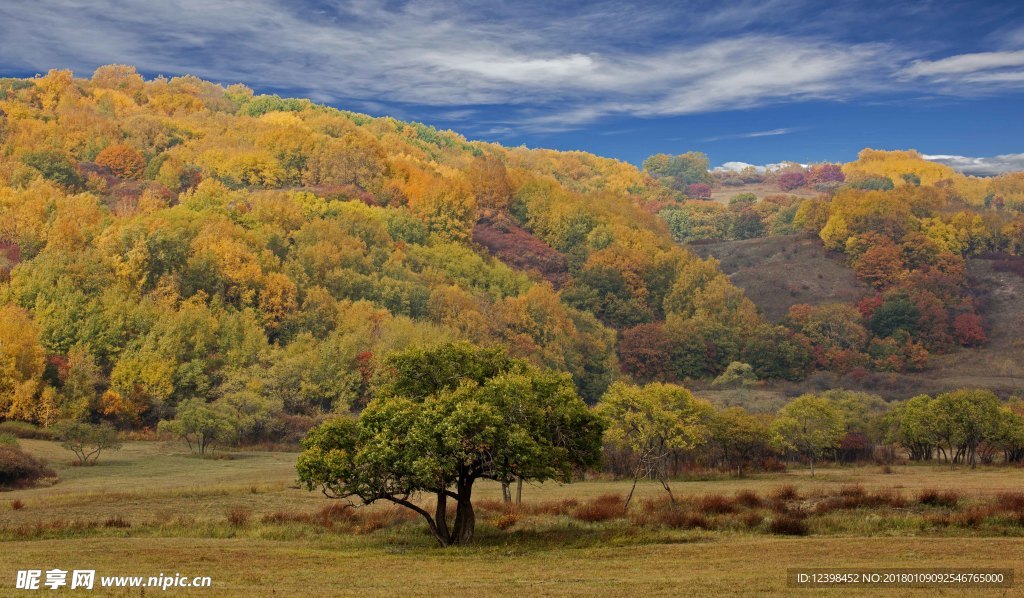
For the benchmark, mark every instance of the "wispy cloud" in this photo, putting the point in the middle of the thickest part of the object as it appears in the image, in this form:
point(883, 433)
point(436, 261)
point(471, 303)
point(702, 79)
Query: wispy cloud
point(752, 134)
point(989, 166)
point(966, 70)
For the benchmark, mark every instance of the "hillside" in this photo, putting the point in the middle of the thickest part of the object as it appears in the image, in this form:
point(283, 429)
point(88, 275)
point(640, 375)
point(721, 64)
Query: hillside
point(780, 272)
point(175, 240)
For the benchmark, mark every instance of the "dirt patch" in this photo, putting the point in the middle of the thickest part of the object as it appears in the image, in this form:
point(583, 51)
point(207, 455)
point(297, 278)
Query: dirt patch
point(779, 272)
point(721, 194)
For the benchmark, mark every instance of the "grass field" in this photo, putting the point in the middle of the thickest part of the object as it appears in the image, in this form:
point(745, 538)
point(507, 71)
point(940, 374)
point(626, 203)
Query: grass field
point(152, 508)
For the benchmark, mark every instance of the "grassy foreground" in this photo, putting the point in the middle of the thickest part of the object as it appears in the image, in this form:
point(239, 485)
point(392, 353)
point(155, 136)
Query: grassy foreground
point(151, 508)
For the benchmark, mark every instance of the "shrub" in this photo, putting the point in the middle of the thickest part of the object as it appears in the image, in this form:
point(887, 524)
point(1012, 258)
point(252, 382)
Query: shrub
point(787, 525)
point(684, 520)
point(375, 519)
point(749, 499)
point(19, 469)
point(239, 516)
point(25, 430)
point(552, 507)
point(602, 508)
point(117, 521)
point(1010, 501)
point(8, 439)
point(792, 180)
point(17, 504)
point(336, 511)
point(507, 520)
point(935, 498)
point(787, 492)
point(716, 503)
point(752, 519)
point(698, 191)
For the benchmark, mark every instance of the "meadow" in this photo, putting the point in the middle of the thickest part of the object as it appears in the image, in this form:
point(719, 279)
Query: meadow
point(241, 519)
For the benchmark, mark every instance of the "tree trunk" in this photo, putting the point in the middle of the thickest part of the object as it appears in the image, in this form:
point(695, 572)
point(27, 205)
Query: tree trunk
point(519, 491)
point(636, 476)
point(664, 482)
point(465, 519)
point(812, 466)
point(441, 520)
point(506, 493)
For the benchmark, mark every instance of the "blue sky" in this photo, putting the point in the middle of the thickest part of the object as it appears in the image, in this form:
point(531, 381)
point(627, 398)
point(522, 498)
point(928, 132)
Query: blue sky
point(752, 81)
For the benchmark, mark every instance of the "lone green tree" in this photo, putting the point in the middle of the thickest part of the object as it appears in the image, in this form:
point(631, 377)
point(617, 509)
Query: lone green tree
point(85, 440)
point(443, 418)
point(200, 425)
point(652, 422)
point(810, 425)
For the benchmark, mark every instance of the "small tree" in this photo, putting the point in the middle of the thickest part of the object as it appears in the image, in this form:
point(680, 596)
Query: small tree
point(810, 425)
point(652, 422)
point(86, 441)
point(200, 425)
point(737, 374)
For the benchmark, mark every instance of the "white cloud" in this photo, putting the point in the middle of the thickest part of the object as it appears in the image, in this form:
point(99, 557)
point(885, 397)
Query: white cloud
point(762, 168)
point(990, 166)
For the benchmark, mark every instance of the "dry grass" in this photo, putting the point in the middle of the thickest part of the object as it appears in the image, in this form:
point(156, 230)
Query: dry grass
point(167, 510)
point(602, 508)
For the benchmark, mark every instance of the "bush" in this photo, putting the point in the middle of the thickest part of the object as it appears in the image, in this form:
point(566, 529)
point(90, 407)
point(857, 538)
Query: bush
point(935, 498)
point(684, 520)
point(716, 503)
point(19, 469)
point(748, 498)
point(8, 439)
point(787, 525)
point(25, 430)
point(792, 180)
point(602, 508)
point(239, 516)
point(787, 492)
point(506, 521)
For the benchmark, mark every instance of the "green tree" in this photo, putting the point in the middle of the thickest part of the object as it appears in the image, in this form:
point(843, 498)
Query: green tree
point(810, 425)
point(963, 420)
point(652, 422)
point(741, 436)
point(679, 171)
point(200, 425)
point(444, 418)
point(910, 425)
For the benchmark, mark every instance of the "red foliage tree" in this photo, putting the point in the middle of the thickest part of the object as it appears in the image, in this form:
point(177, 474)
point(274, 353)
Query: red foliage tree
point(792, 180)
point(880, 265)
point(968, 331)
point(123, 160)
point(698, 191)
point(825, 173)
point(645, 352)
